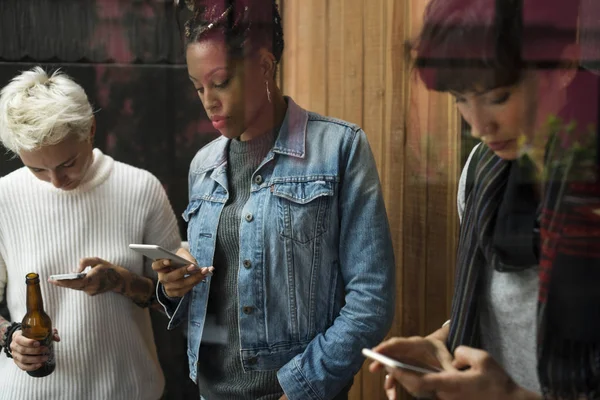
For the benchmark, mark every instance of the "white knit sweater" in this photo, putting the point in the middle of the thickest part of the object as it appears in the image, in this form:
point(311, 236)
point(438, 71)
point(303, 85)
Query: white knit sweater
point(107, 349)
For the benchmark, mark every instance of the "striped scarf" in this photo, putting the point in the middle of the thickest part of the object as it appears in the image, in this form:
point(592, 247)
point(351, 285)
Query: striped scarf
point(475, 250)
point(568, 349)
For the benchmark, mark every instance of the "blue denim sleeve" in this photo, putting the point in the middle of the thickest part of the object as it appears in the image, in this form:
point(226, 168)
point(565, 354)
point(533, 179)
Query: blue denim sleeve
point(174, 307)
point(366, 257)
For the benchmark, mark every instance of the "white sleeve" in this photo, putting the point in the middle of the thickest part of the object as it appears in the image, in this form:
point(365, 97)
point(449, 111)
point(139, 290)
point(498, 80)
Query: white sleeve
point(462, 185)
point(161, 224)
point(3, 278)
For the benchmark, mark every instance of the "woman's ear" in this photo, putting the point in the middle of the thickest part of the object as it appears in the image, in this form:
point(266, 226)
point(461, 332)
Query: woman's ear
point(268, 64)
point(92, 131)
point(570, 57)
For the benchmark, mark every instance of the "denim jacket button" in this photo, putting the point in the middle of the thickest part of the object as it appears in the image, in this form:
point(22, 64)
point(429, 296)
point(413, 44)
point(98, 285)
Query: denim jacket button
point(258, 179)
point(247, 310)
point(247, 264)
point(249, 217)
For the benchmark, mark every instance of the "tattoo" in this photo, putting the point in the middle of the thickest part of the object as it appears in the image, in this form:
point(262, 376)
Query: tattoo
point(140, 289)
point(4, 325)
point(113, 278)
point(109, 281)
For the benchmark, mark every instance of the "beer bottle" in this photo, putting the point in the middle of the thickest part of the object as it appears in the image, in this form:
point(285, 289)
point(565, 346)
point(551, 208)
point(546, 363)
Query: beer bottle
point(37, 325)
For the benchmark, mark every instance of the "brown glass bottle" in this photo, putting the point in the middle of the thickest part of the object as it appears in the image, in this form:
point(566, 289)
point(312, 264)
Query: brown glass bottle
point(37, 325)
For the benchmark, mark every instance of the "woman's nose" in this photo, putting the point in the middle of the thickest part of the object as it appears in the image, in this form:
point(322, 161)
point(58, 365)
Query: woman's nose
point(482, 125)
point(57, 180)
point(211, 101)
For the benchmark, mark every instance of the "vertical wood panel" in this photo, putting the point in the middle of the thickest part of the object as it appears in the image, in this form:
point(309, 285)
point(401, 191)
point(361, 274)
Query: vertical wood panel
point(395, 122)
point(438, 223)
point(415, 240)
point(304, 54)
point(452, 177)
point(374, 78)
point(353, 59)
point(318, 67)
point(289, 62)
point(335, 66)
point(374, 124)
point(415, 221)
point(397, 95)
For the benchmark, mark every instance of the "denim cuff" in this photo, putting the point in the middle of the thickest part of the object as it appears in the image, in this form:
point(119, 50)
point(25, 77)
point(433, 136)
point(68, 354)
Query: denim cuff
point(294, 383)
point(170, 304)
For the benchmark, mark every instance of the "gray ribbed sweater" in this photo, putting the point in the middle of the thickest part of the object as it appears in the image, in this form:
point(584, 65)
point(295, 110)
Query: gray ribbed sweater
point(220, 372)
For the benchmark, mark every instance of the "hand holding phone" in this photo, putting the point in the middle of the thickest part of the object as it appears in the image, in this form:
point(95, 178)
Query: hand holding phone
point(155, 252)
point(177, 282)
point(407, 365)
point(430, 352)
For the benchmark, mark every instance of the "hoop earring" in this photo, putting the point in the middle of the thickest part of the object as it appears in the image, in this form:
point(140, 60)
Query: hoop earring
point(268, 91)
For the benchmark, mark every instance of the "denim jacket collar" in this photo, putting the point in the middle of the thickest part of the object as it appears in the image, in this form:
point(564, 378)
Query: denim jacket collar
point(291, 140)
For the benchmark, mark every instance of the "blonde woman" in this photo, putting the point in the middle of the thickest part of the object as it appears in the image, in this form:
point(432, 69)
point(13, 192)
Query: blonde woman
point(68, 208)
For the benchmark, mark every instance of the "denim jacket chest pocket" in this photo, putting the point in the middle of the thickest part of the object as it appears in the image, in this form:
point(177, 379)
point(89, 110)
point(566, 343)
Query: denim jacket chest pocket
point(303, 208)
point(202, 215)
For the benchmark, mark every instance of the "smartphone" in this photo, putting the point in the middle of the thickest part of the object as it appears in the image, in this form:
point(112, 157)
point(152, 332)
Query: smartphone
point(75, 275)
point(155, 252)
point(390, 362)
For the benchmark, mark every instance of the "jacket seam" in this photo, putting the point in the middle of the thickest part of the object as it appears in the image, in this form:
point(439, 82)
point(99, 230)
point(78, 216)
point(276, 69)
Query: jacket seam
point(305, 382)
point(304, 179)
point(353, 139)
point(314, 117)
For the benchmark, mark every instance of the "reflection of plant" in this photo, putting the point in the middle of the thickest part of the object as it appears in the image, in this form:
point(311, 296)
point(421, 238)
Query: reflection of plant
point(564, 153)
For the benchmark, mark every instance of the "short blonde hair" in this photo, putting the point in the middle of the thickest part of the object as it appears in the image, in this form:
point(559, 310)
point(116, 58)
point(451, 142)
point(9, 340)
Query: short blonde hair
point(38, 110)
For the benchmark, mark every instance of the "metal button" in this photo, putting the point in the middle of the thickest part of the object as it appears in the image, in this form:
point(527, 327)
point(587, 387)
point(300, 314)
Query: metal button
point(247, 310)
point(249, 217)
point(247, 263)
point(258, 179)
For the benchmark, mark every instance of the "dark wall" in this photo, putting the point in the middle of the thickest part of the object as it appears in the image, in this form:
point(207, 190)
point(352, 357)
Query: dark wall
point(127, 55)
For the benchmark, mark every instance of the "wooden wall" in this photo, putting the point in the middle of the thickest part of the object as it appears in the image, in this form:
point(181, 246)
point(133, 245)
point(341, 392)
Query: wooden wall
point(345, 58)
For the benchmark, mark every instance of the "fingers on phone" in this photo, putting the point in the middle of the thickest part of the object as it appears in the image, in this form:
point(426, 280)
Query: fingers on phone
point(193, 279)
point(206, 271)
point(162, 264)
point(375, 366)
point(389, 383)
point(185, 284)
point(191, 269)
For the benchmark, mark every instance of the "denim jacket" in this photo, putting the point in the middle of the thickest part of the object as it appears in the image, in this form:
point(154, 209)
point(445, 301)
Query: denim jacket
point(316, 270)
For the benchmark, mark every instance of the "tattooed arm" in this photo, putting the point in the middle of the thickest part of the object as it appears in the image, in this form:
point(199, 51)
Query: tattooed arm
point(4, 325)
point(105, 277)
point(139, 289)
